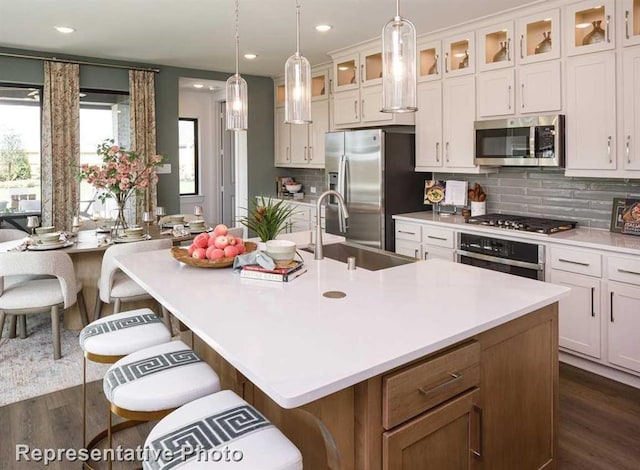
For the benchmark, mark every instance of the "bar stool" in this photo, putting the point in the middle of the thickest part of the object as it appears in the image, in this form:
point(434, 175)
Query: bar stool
point(149, 384)
point(111, 338)
point(219, 431)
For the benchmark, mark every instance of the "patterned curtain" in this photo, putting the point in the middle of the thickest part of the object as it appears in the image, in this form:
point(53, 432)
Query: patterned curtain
point(60, 144)
point(143, 131)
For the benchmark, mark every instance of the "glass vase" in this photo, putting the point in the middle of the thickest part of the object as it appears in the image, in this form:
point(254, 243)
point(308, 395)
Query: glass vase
point(120, 220)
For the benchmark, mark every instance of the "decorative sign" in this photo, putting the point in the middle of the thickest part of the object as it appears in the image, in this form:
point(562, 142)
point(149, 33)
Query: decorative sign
point(625, 216)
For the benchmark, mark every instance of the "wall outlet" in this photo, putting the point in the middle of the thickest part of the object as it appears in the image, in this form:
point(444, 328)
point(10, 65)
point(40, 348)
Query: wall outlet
point(312, 189)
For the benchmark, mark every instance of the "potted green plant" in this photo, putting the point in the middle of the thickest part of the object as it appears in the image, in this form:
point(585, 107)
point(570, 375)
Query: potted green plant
point(267, 217)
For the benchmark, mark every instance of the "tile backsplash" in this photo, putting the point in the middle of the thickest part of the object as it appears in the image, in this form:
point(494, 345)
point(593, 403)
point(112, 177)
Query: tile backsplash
point(548, 193)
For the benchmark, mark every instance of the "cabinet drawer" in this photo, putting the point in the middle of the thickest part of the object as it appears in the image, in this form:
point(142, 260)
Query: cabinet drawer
point(624, 270)
point(437, 237)
point(408, 248)
point(575, 261)
point(422, 386)
point(408, 231)
point(301, 212)
point(431, 252)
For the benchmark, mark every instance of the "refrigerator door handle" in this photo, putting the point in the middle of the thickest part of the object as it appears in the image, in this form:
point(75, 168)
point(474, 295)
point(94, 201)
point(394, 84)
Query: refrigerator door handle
point(342, 184)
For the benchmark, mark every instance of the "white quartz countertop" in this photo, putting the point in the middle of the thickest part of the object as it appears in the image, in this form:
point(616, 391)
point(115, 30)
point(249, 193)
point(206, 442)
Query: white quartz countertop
point(581, 237)
point(298, 346)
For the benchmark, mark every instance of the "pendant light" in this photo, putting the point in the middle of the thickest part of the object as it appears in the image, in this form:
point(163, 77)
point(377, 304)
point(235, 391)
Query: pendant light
point(237, 106)
point(297, 83)
point(398, 65)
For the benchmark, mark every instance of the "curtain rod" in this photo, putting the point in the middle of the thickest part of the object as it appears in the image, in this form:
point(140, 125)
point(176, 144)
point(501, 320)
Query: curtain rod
point(79, 62)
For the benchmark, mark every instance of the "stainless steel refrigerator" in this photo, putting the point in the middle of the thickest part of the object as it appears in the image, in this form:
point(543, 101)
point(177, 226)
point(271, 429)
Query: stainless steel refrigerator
point(374, 170)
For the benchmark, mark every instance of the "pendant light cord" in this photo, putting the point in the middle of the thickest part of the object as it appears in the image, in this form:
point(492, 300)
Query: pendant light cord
point(298, 27)
point(237, 37)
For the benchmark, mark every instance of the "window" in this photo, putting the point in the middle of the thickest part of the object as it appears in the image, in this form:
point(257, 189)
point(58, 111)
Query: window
point(20, 187)
point(103, 115)
point(188, 143)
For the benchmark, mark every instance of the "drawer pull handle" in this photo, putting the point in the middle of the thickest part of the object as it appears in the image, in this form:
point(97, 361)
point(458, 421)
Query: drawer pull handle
point(626, 271)
point(416, 253)
point(562, 260)
point(611, 307)
point(593, 310)
point(478, 453)
point(437, 238)
point(408, 233)
point(455, 376)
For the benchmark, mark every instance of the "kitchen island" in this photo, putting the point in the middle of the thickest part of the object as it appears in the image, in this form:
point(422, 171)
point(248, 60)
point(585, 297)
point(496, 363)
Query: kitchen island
point(357, 381)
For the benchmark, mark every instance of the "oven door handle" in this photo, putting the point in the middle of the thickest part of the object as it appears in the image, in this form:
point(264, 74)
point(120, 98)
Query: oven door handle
point(508, 262)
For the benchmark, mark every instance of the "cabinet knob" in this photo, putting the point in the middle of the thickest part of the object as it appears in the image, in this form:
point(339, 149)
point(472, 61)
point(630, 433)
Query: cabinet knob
point(609, 149)
point(628, 150)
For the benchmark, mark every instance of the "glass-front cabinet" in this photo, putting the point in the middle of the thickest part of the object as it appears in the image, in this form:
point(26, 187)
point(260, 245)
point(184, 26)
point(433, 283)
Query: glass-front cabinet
point(630, 13)
point(280, 95)
point(429, 61)
point(495, 45)
point(590, 27)
point(371, 67)
point(345, 73)
point(538, 37)
point(459, 55)
point(319, 85)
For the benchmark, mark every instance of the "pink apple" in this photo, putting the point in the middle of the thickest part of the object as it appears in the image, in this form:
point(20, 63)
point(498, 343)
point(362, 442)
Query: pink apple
point(221, 242)
point(220, 229)
point(241, 249)
point(192, 247)
point(230, 252)
point(239, 241)
point(212, 240)
point(199, 253)
point(231, 239)
point(201, 240)
point(215, 253)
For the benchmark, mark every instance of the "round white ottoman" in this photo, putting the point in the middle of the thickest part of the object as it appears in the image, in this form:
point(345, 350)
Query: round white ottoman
point(219, 431)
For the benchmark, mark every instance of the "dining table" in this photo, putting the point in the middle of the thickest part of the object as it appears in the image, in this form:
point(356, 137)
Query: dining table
point(86, 249)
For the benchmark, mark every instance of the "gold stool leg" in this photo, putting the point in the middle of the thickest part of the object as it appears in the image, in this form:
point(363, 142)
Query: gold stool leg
point(84, 402)
point(110, 439)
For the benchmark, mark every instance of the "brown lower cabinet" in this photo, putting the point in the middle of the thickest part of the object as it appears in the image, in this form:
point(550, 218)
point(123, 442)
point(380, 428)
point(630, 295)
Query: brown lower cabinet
point(445, 438)
point(486, 403)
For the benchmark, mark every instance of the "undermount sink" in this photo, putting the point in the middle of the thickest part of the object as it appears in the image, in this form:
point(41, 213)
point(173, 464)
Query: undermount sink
point(366, 257)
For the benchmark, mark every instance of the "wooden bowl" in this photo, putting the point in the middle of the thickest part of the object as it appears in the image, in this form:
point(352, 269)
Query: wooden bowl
point(182, 255)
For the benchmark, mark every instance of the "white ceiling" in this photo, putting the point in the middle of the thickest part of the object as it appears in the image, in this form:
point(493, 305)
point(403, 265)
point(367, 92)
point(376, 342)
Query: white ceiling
point(199, 33)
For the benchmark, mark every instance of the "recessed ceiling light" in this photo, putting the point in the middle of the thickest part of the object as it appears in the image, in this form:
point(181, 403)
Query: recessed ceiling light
point(323, 28)
point(64, 29)
point(250, 56)
point(211, 88)
point(198, 85)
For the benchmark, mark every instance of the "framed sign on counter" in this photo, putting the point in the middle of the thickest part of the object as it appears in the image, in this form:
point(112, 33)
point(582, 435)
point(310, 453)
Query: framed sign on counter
point(625, 216)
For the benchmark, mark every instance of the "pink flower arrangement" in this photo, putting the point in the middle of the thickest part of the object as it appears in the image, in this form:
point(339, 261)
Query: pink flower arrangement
point(122, 172)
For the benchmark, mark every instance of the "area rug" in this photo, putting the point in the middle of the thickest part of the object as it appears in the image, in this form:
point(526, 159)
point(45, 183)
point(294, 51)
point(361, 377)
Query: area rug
point(27, 368)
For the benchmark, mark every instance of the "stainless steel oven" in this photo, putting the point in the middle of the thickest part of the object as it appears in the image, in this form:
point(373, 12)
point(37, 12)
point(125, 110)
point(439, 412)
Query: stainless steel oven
point(507, 256)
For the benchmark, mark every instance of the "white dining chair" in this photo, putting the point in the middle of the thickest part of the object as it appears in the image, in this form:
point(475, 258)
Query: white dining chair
point(23, 290)
point(10, 234)
point(115, 286)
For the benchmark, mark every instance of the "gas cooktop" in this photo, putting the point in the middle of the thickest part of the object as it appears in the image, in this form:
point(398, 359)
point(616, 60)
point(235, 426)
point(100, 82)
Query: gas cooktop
point(523, 223)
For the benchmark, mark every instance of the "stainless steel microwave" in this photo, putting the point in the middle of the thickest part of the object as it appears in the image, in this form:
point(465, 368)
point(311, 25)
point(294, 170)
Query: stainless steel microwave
point(521, 141)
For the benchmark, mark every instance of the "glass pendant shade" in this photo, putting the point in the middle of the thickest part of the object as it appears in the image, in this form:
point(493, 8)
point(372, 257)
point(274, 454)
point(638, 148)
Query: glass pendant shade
point(399, 66)
point(237, 104)
point(297, 85)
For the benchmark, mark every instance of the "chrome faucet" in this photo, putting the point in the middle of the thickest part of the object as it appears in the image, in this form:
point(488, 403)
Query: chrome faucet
point(317, 251)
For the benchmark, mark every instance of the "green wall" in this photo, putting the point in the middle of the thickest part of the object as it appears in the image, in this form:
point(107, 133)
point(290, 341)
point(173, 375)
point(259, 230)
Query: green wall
point(260, 144)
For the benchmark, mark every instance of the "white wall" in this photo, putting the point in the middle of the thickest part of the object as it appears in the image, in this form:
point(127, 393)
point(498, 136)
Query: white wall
point(202, 106)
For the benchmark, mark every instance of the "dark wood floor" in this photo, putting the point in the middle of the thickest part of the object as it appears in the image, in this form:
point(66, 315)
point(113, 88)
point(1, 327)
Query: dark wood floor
point(599, 424)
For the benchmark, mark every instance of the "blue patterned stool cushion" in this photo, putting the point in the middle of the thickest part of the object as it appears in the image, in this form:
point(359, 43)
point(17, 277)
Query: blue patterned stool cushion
point(158, 378)
point(124, 333)
point(219, 431)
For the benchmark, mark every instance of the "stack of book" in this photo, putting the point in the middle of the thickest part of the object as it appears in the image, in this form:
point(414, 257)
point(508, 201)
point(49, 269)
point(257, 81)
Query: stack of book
point(286, 274)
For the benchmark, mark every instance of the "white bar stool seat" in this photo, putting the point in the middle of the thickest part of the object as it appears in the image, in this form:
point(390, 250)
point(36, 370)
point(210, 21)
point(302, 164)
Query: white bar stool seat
point(219, 422)
point(121, 334)
point(158, 379)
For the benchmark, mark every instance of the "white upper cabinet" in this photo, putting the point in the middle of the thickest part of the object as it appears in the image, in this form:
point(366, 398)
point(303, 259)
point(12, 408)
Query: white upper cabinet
point(371, 67)
point(631, 108)
point(538, 37)
point(495, 46)
point(459, 55)
point(589, 26)
point(591, 112)
point(630, 19)
point(283, 139)
point(429, 126)
point(459, 111)
point(346, 73)
point(496, 93)
point(346, 107)
point(429, 61)
point(539, 87)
